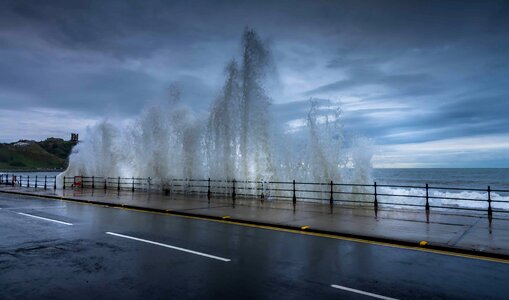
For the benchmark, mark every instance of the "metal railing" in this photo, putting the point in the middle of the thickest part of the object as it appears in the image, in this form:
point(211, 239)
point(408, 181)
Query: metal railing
point(43, 182)
point(374, 195)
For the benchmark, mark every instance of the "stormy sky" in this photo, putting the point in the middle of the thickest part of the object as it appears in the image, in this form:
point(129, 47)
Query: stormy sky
point(427, 81)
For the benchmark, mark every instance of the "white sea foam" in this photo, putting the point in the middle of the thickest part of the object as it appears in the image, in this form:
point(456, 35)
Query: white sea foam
point(444, 198)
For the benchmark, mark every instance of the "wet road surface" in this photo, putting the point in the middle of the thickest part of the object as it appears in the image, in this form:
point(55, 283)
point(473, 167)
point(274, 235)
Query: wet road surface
point(64, 250)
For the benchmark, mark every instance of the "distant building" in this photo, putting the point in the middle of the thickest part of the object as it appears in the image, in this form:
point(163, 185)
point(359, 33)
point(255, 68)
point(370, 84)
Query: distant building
point(74, 137)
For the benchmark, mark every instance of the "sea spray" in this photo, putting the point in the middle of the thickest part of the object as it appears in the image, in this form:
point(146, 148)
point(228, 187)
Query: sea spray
point(238, 140)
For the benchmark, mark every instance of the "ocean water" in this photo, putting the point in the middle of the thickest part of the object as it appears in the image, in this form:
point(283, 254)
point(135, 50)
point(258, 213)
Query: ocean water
point(453, 180)
point(468, 178)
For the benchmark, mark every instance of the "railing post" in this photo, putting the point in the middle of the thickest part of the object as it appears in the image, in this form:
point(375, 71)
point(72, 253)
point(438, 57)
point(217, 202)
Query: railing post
point(118, 183)
point(35, 181)
point(93, 182)
point(427, 198)
point(148, 180)
point(63, 185)
point(20, 180)
point(132, 189)
point(105, 183)
point(55, 183)
point(376, 196)
point(490, 212)
point(331, 200)
point(208, 189)
point(45, 179)
point(263, 194)
point(233, 191)
point(28, 181)
point(294, 199)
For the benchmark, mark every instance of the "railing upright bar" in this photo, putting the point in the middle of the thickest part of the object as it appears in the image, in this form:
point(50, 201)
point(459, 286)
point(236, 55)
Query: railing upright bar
point(45, 179)
point(376, 196)
point(208, 190)
point(427, 197)
point(234, 194)
point(490, 211)
point(294, 198)
point(262, 196)
point(331, 199)
point(35, 181)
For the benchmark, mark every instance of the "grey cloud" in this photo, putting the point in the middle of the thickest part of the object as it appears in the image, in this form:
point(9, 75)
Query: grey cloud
point(363, 76)
point(444, 62)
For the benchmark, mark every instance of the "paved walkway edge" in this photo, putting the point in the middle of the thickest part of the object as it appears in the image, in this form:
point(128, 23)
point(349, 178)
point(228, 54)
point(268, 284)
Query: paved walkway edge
point(296, 229)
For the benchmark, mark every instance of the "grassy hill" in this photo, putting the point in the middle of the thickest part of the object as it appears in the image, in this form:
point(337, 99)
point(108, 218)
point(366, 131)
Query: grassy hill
point(26, 155)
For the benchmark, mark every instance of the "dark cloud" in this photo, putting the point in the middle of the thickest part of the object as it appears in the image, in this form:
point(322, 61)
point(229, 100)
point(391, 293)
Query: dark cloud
point(405, 71)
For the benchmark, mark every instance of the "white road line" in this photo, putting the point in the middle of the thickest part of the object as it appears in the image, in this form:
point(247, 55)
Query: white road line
point(37, 217)
point(361, 292)
point(37, 207)
point(169, 246)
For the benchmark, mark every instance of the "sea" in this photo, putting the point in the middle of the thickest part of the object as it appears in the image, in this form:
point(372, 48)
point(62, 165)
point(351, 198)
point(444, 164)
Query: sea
point(497, 178)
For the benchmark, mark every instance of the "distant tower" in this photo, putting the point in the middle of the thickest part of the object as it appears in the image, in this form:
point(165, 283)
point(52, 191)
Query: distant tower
point(74, 138)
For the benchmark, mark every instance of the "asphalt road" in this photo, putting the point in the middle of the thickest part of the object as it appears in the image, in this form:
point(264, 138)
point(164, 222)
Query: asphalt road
point(64, 250)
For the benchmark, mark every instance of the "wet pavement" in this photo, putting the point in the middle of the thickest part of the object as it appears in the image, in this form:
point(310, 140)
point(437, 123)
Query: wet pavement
point(65, 250)
point(470, 231)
